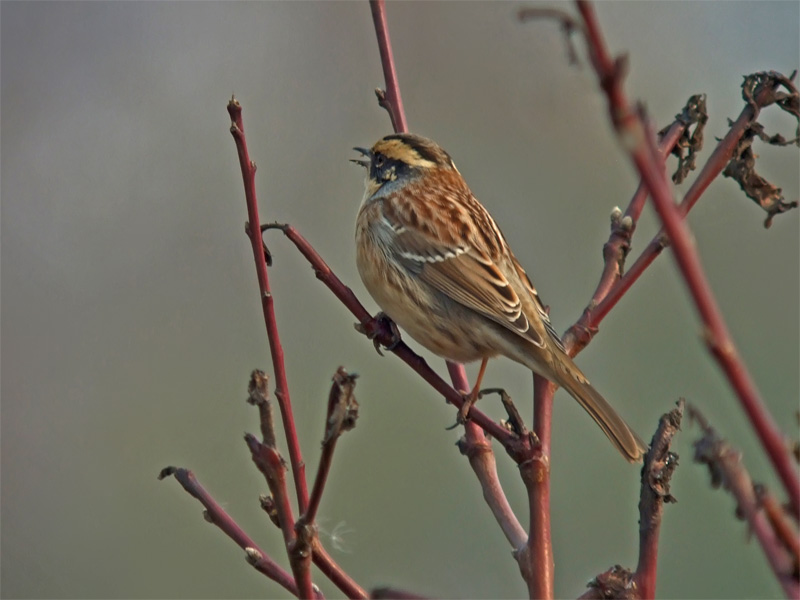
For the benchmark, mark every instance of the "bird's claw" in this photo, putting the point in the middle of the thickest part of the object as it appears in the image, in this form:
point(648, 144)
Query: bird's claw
point(463, 413)
point(380, 326)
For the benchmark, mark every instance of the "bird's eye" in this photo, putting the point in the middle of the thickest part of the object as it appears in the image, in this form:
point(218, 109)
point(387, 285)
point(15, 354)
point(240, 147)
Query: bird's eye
point(379, 160)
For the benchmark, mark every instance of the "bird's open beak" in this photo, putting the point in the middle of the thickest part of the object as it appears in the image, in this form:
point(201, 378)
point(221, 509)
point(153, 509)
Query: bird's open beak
point(363, 163)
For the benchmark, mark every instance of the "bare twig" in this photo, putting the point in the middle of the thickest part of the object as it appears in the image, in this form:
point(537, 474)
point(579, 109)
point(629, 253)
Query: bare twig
point(779, 519)
point(539, 551)
point(615, 251)
point(217, 516)
point(477, 447)
point(272, 466)
point(342, 415)
point(306, 537)
point(636, 138)
point(276, 349)
point(336, 573)
point(266, 457)
point(659, 464)
point(726, 469)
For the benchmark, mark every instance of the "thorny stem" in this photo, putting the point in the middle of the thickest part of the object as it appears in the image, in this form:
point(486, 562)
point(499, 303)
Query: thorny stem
point(276, 349)
point(633, 132)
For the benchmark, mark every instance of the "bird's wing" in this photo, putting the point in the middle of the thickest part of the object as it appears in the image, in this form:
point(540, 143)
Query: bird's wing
point(447, 250)
point(538, 304)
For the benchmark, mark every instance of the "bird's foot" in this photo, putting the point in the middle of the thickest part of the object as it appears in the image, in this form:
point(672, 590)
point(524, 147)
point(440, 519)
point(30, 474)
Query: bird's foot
point(381, 327)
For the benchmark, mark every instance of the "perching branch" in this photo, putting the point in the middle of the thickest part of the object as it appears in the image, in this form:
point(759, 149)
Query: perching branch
point(476, 443)
point(380, 332)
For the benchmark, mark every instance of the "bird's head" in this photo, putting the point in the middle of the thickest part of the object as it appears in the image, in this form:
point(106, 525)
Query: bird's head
point(400, 158)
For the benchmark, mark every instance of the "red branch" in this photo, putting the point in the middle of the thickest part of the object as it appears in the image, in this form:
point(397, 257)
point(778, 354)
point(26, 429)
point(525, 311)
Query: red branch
point(331, 569)
point(636, 138)
point(217, 516)
point(282, 385)
point(390, 99)
point(478, 449)
point(536, 476)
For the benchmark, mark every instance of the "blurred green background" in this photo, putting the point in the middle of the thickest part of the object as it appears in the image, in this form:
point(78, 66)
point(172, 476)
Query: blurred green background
point(131, 317)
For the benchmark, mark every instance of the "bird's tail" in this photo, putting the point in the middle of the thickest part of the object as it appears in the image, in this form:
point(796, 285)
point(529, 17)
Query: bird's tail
point(621, 435)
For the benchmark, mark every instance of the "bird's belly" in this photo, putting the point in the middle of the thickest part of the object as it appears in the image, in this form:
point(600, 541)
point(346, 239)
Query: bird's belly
point(444, 328)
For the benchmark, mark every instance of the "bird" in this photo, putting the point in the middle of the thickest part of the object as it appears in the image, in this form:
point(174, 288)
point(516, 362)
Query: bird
point(437, 264)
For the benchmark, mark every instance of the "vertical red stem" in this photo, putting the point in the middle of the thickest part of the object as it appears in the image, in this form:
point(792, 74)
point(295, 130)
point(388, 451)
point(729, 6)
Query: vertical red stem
point(268, 307)
point(536, 475)
point(394, 103)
